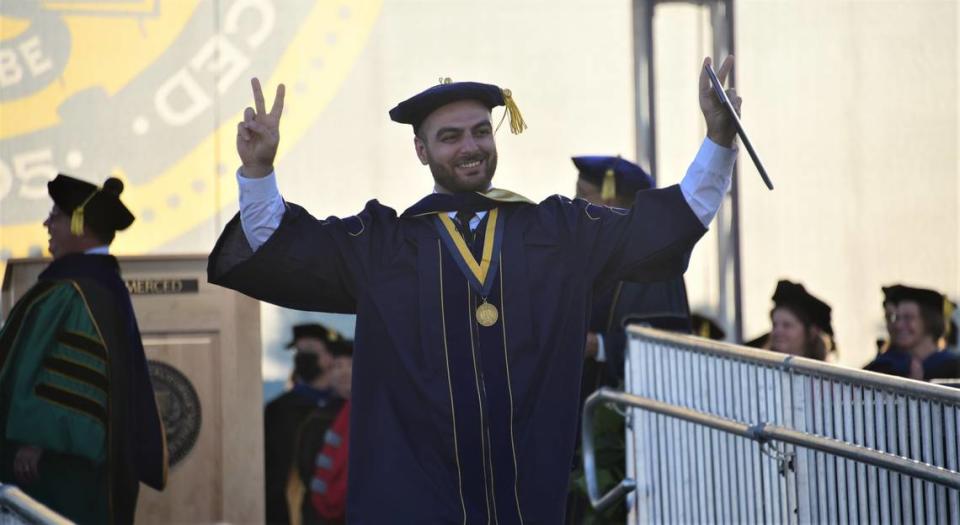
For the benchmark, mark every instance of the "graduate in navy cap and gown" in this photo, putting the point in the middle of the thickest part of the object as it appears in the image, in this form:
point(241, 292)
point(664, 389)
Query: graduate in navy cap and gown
point(614, 182)
point(472, 305)
point(919, 321)
point(79, 426)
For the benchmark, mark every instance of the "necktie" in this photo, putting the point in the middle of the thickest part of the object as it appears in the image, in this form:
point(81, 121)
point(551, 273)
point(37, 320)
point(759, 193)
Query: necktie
point(463, 220)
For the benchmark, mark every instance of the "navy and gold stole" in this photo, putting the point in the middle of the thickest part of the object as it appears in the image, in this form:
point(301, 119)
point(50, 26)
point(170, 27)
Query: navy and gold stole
point(476, 359)
point(480, 271)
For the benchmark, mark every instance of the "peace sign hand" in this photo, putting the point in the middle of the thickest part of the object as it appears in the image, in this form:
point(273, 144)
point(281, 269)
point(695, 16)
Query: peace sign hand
point(258, 135)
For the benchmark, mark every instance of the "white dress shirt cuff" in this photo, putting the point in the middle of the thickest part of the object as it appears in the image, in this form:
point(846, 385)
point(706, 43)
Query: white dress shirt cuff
point(261, 208)
point(708, 180)
point(262, 189)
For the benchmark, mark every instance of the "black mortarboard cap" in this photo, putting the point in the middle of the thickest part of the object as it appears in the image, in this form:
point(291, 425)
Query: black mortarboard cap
point(705, 327)
point(613, 175)
point(794, 295)
point(923, 296)
point(417, 108)
point(100, 208)
point(336, 343)
point(927, 298)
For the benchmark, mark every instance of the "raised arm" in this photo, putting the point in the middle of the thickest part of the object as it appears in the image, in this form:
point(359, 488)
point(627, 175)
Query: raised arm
point(258, 136)
point(709, 176)
point(653, 240)
point(274, 251)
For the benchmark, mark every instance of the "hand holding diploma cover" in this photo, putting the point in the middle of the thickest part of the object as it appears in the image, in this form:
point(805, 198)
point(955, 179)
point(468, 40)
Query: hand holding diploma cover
point(726, 99)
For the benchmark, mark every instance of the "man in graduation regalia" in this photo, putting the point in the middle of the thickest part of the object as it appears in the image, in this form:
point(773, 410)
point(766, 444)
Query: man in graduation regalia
point(80, 427)
point(614, 182)
point(472, 305)
point(919, 321)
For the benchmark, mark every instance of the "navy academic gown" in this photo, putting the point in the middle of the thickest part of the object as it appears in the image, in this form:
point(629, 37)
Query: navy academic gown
point(938, 365)
point(454, 422)
point(660, 305)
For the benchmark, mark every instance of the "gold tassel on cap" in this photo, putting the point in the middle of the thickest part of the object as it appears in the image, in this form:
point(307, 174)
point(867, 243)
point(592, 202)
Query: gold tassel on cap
point(704, 329)
point(76, 222)
point(517, 124)
point(76, 218)
point(608, 191)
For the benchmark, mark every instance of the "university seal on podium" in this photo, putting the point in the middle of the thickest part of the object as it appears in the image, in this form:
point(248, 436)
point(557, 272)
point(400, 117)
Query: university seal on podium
point(179, 408)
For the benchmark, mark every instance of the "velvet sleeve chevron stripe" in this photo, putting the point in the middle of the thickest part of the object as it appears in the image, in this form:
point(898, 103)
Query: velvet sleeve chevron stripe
point(56, 380)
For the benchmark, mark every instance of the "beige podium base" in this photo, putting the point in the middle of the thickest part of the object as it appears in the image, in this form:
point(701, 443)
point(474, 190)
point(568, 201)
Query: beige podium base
point(203, 347)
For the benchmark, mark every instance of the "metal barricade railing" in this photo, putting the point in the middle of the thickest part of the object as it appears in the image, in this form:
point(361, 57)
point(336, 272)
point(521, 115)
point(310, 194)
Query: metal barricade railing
point(16, 508)
point(720, 433)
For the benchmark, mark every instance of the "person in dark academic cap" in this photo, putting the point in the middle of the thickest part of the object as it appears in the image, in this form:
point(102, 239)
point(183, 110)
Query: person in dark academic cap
point(296, 422)
point(610, 181)
point(920, 320)
point(614, 182)
point(472, 305)
point(80, 426)
point(801, 323)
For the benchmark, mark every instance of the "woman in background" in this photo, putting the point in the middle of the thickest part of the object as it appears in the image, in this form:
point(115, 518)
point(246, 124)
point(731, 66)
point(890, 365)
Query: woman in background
point(800, 323)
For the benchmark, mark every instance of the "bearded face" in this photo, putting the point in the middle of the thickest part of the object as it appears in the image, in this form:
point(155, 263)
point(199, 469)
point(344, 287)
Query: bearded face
point(456, 141)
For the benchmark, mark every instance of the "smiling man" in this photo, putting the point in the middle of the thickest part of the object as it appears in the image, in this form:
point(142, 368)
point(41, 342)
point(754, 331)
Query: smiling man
point(456, 141)
point(472, 305)
point(79, 428)
point(916, 325)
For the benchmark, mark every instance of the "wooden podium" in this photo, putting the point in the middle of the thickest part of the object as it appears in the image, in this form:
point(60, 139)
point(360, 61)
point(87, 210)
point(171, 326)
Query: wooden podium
point(203, 347)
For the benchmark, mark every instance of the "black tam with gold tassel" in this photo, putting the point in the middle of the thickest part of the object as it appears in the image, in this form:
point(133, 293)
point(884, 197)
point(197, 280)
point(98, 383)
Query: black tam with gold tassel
point(98, 208)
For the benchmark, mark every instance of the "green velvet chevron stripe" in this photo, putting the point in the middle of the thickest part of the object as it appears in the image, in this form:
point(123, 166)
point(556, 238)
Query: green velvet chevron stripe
point(87, 377)
point(76, 371)
point(70, 400)
point(83, 343)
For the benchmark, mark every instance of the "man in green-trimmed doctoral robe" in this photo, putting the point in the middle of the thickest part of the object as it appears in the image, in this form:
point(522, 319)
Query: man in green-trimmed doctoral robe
point(80, 427)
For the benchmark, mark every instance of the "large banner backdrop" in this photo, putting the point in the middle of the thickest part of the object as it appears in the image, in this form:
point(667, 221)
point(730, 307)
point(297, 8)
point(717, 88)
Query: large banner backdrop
point(150, 91)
